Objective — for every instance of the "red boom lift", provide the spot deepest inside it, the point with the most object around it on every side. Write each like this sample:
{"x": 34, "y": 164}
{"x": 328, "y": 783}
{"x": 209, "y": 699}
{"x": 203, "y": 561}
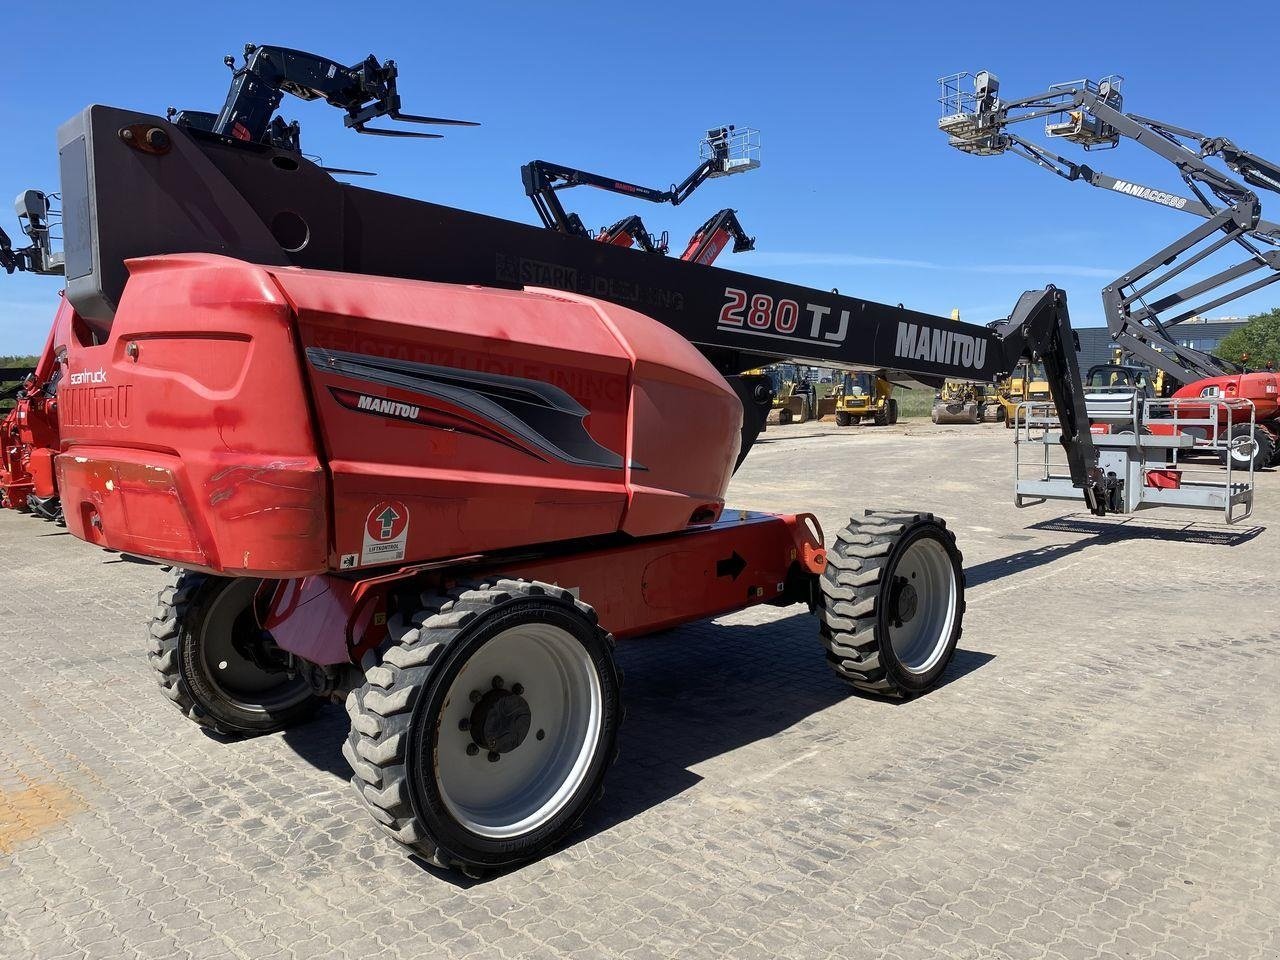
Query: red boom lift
{"x": 29, "y": 431}
{"x": 432, "y": 462}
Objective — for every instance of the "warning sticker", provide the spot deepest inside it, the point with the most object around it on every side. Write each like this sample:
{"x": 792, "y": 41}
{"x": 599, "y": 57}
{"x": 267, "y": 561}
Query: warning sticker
{"x": 386, "y": 530}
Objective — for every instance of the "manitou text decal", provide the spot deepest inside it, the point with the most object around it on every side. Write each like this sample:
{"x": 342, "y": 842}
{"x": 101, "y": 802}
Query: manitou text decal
{"x": 391, "y": 408}
{"x": 89, "y": 376}
{"x": 760, "y": 315}
{"x": 1146, "y": 193}
{"x": 936, "y": 345}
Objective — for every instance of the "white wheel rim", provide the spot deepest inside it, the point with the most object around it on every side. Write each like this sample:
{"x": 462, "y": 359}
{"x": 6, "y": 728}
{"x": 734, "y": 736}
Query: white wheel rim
{"x": 531, "y": 783}
{"x": 920, "y": 640}
{"x": 1243, "y": 448}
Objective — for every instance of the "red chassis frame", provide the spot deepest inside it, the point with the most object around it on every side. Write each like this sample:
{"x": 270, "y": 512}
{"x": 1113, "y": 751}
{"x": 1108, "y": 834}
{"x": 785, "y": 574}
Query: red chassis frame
{"x": 636, "y": 586}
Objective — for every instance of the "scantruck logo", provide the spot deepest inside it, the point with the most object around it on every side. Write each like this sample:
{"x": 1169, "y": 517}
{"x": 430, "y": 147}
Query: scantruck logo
{"x": 916, "y": 342}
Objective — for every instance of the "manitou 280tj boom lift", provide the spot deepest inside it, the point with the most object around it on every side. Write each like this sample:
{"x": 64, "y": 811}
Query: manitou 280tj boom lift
{"x": 1144, "y": 306}
{"x": 432, "y": 462}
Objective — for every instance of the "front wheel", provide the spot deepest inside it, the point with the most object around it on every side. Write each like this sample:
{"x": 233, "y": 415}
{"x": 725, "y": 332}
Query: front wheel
{"x": 842, "y": 418}
{"x": 485, "y": 734}
{"x": 216, "y": 662}
{"x": 892, "y": 605}
{"x": 785, "y": 416}
{"x": 1250, "y": 445}
{"x": 893, "y": 411}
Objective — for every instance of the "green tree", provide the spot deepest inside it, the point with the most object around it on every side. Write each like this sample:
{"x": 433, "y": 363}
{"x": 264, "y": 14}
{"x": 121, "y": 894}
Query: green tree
{"x": 1256, "y": 342}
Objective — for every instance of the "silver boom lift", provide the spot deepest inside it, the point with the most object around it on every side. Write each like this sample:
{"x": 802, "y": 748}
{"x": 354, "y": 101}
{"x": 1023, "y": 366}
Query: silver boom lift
{"x": 1143, "y": 306}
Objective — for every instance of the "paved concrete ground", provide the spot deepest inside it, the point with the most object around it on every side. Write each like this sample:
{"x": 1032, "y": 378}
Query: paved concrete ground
{"x": 1099, "y": 776}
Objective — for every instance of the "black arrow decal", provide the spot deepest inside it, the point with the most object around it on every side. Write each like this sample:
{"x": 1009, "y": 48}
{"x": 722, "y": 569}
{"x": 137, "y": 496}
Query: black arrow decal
{"x": 730, "y": 566}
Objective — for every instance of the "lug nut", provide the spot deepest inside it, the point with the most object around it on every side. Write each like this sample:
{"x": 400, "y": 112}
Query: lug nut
{"x": 472, "y": 749}
{"x": 494, "y": 756}
{"x": 464, "y": 724}
{"x": 517, "y": 688}
{"x": 497, "y": 683}
{"x": 541, "y": 734}
{"x": 475, "y": 696}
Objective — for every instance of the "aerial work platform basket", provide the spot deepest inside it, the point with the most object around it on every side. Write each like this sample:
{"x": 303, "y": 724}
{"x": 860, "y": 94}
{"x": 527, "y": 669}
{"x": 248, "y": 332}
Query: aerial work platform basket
{"x": 1154, "y": 447}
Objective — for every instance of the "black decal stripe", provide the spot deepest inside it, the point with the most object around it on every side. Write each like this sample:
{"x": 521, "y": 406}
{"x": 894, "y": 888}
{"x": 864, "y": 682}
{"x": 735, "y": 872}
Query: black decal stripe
{"x": 534, "y": 412}
{"x": 441, "y": 420}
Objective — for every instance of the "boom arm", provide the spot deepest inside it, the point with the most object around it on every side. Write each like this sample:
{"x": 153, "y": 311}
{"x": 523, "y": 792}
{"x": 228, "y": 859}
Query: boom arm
{"x": 705, "y": 245}
{"x": 1091, "y": 115}
{"x": 265, "y": 204}
{"x": 543, "y": 180}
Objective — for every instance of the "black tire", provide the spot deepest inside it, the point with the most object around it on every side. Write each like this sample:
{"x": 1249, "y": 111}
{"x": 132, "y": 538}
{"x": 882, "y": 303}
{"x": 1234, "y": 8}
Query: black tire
{"x": 882, "y": 416}
{"x": 399, "y": 722}
{"x": 893, "y": 411}
{"x": 842, "y": 418}
{"x": 197, "y": 619}
{"x": 1262, "y": 452}
{"x": 861, "y": 592}
{"x": 785, "y": 416}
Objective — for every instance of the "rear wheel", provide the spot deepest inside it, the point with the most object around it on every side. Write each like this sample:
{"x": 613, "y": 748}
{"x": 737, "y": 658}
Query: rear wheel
{"x": 893, "y": 411}
{"x": 842, "y": 418}
{"x": 485, "y": 734}
{"x": 1249, "y": 444}
{"x": 892, "y": 602}
{"x": 785, "y": 416}
{"x": 217, "y": 664}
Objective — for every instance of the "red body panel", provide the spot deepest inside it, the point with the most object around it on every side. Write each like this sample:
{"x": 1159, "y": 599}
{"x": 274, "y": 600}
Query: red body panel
{"x": 256, "y": 420}
{"x": 1260, "y": 388}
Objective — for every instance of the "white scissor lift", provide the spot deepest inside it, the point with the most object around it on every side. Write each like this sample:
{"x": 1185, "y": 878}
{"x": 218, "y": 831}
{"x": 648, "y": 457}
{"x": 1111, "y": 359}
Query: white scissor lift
{"x": 1153, "y": 446}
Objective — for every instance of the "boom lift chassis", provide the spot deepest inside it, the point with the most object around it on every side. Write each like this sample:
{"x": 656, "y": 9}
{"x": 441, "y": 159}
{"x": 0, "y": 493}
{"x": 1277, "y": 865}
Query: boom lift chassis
{"x": 481, "y": 687}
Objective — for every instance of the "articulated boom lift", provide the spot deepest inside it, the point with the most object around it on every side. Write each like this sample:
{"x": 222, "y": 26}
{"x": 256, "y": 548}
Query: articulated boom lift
{"x": 1141, "y": 318}
{"x": 428, "y": 461}
{"x": 724, "y": 151}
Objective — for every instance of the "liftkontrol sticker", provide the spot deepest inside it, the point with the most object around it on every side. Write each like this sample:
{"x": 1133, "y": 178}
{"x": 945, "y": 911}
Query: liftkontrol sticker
{"x": 386, "y": 530}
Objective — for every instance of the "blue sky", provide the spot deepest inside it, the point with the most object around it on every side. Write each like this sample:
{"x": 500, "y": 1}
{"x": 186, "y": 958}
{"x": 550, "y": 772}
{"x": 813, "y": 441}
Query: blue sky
{"x": 858, "y": 189}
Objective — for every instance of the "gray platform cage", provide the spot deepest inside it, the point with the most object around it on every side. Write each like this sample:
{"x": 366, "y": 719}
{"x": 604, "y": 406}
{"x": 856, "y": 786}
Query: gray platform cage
{"x": 967, "y": 101}
{"x": 1079, "y": 126}
{"x": 1183, "y": 453}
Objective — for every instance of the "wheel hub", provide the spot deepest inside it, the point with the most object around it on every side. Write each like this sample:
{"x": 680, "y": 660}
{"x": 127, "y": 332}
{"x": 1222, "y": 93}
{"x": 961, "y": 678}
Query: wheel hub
{"x": 904, "y": 602}
{"x": 500, "y": 721}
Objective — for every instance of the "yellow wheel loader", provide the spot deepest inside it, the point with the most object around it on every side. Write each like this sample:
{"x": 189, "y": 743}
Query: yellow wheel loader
{"x": 864, "y": 395}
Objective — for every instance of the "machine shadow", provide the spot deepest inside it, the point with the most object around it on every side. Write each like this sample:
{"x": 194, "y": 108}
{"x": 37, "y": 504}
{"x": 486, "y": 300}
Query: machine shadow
{"x": 690, "y": 695}
{"x": 1102, "y": 532}
{"x": 702, "y": 691}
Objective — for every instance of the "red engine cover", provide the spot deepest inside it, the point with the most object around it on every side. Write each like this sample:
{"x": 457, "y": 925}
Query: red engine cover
{"x": 280, "y": 422}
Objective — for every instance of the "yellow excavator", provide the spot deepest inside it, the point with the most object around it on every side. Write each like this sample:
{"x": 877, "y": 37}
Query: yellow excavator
{"x": 965, "y": 401}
